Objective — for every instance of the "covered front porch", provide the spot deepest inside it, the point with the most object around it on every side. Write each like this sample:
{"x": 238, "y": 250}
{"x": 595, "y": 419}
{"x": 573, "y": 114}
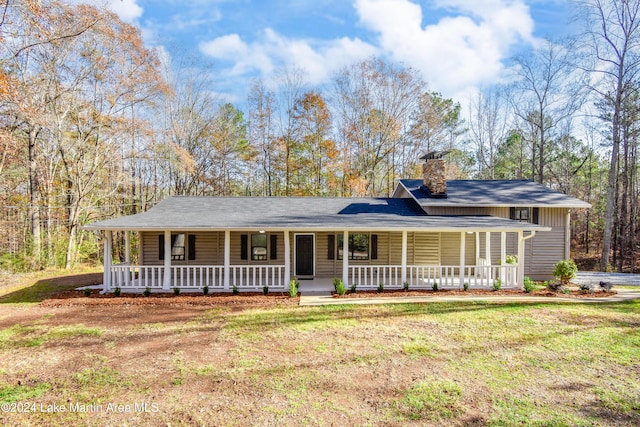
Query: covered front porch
{"x": 479, "y": 264}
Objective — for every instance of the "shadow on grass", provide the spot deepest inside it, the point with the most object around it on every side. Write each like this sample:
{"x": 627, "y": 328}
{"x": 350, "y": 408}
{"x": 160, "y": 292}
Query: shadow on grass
{"x": 47, "y": 288}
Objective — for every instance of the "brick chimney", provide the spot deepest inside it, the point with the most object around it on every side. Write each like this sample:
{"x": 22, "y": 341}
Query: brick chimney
{"x": 433, "y": 171}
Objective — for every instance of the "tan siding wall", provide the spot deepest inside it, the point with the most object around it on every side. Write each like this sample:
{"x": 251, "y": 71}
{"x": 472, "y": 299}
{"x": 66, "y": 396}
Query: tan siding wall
{"x": 547, "y": 247}
{"x": 209, "y": 249}
{"x": 426, "y": 248}
{"x": 236, "y": 256}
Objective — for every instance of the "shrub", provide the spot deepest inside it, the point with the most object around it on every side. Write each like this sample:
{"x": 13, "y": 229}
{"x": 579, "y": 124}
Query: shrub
{"x": 405, "y": 286}
{"x": 511, "y": 259}
{"x": 265, "y": 290}
{"x": 335, "y": 283}
{"x": 381, "y": 288}
{"x": 341, "y": 289}
{"x": 497, "y": 284}
{"x": 465, "y": 286}
{"x": 434, "y": 286}
{"x": 606, "y": 286}
{"x": 205, "y": 290}
{"x": 235, "y": 290}
{"x": 586, "y": 288}
{"x": 353, "y": 288}
{"x": 293, "y": 287}
{"x": 565, "y": 270}
{"x": 116, "y": 291}
{"x": 176, "y": 291}
{"x": 147, "y": 291}
{"x": 528, "y": 284}
{"x": 566, "y": 290}
{"x": 87, "y": 292}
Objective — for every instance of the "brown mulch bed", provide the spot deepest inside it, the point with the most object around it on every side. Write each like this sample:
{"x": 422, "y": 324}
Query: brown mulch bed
{"x": 246, "y": 299}
{"x": 476, "y": 292}
{"x": 257, "y": 299}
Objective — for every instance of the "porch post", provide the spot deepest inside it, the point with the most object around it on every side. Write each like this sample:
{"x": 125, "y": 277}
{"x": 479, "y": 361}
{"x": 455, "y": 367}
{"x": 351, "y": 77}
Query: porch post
{"x": 345, "y": 258}
{"x": 106, "y": 275}
{"x": 404, "y": 257}
{"x": 520, "y": 274}
{"x": 287, "y": 260}
{"x": 166, "y": 280}
{"x": 567, "y": 235}
{"x": 463, "y": 253}
{"x": 477, "y": 247}
{"x": 127, "y": 248}
{"x": 227, "y": 259}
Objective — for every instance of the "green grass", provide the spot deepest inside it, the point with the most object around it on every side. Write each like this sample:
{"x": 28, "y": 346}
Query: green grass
{"x": 432, "y": 399}
{"x": 465, "y": 363}
{"x": 38, "y": 286}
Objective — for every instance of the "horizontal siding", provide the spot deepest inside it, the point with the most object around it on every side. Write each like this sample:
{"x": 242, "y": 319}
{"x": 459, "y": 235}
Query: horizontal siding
{"x": 426, "y": 248}
{"x": 208, "y": 249}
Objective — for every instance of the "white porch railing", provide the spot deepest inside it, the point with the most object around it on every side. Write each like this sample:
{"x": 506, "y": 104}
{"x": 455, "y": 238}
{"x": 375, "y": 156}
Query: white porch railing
{"x": 424, "y": 276}
{"x": 152, "y": 276}
{"x": 256, "y": 276}
{"x": 371, "y": 276}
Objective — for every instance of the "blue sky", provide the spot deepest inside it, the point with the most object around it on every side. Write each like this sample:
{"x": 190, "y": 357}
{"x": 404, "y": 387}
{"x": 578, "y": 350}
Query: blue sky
{"x": 456, "y": 45}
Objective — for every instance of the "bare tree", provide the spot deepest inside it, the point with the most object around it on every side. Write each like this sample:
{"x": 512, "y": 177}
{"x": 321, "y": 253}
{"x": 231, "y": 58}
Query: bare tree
{"x": 488, "y": 120}
{"x": 613, "y": 33}
{"x": 547, "y": 93}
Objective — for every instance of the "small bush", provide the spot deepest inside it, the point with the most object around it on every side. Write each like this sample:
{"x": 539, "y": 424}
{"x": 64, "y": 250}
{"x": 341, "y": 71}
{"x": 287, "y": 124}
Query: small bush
{"x": 354, "y": 287}
{"x": 586, "y": 288}
{"x": 465, "y": 286}
{"x": 566, "y": 290}
{"x": 146, "y": 292}
{"x": 565, "y": 270}
{"x": 265, "y": 290}
{"x": 117, "y": 291}
{"x": 205, "y": 290}
{"x": 341, "y": 289}
{"x": 381, "y": 288}
{"x": 511, "y": 259}
{"x": 293, "y": 287}
{"x": 528, "y": 285}
{"x": 434, "y": 286}
{"x": 606, "y": 286}
{"x": 87, "y": 292}
{"x": 176, "y": 291}
{"x": 497, "y": 284}
{"x": 335, "y": 283}
{"x": 405, "y": 286}
{"x": 235, "y": 290}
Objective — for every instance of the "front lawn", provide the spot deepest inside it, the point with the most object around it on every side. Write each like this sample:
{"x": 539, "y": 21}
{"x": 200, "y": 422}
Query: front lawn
{"x": 470, "y": 363}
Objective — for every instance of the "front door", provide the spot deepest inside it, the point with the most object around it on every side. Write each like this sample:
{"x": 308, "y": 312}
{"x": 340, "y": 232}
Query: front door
{"x": 304, "y": 255}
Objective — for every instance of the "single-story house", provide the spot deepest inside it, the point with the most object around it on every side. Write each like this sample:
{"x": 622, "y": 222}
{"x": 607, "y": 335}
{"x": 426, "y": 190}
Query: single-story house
{"x": 430, "y": 230}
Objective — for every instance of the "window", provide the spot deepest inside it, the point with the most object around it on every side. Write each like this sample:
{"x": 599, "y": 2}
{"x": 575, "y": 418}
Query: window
{"x": 259, "y": 247}
{"x": 358, "y": 246}
{"x": 525, "y": 214}
{"x": 177, "y": 247}
{"x": 183, "y": 246}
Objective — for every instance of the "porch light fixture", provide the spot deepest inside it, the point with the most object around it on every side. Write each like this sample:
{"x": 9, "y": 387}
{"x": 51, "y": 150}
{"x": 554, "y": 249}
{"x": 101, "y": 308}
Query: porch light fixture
{"x": 261, "y": 231}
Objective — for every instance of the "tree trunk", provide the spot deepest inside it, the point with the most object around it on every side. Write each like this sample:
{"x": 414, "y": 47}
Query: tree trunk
{"x": 34, "y": 194}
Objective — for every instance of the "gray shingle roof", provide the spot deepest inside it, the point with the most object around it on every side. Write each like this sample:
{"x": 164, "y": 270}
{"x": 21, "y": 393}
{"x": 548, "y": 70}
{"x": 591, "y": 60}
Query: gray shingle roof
{"x": 477, "y": 193}
{"x": 299, "y": 213}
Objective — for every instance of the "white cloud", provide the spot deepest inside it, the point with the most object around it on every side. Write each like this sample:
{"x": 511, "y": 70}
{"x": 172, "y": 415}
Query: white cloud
{"x": 460, "y": 51}
{"x": 128, "y": 10}
{"x": 273, "y": 50}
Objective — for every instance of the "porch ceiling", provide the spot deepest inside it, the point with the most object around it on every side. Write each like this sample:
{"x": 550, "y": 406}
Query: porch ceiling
{"x": 301, "y": 213}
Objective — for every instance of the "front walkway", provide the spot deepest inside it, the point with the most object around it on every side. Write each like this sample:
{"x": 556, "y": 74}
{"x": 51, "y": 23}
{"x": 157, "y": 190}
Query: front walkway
{"x": 313, "y": 300}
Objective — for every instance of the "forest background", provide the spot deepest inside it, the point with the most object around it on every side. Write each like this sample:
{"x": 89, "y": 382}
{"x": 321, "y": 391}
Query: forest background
{"x": 93, "y": 125}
